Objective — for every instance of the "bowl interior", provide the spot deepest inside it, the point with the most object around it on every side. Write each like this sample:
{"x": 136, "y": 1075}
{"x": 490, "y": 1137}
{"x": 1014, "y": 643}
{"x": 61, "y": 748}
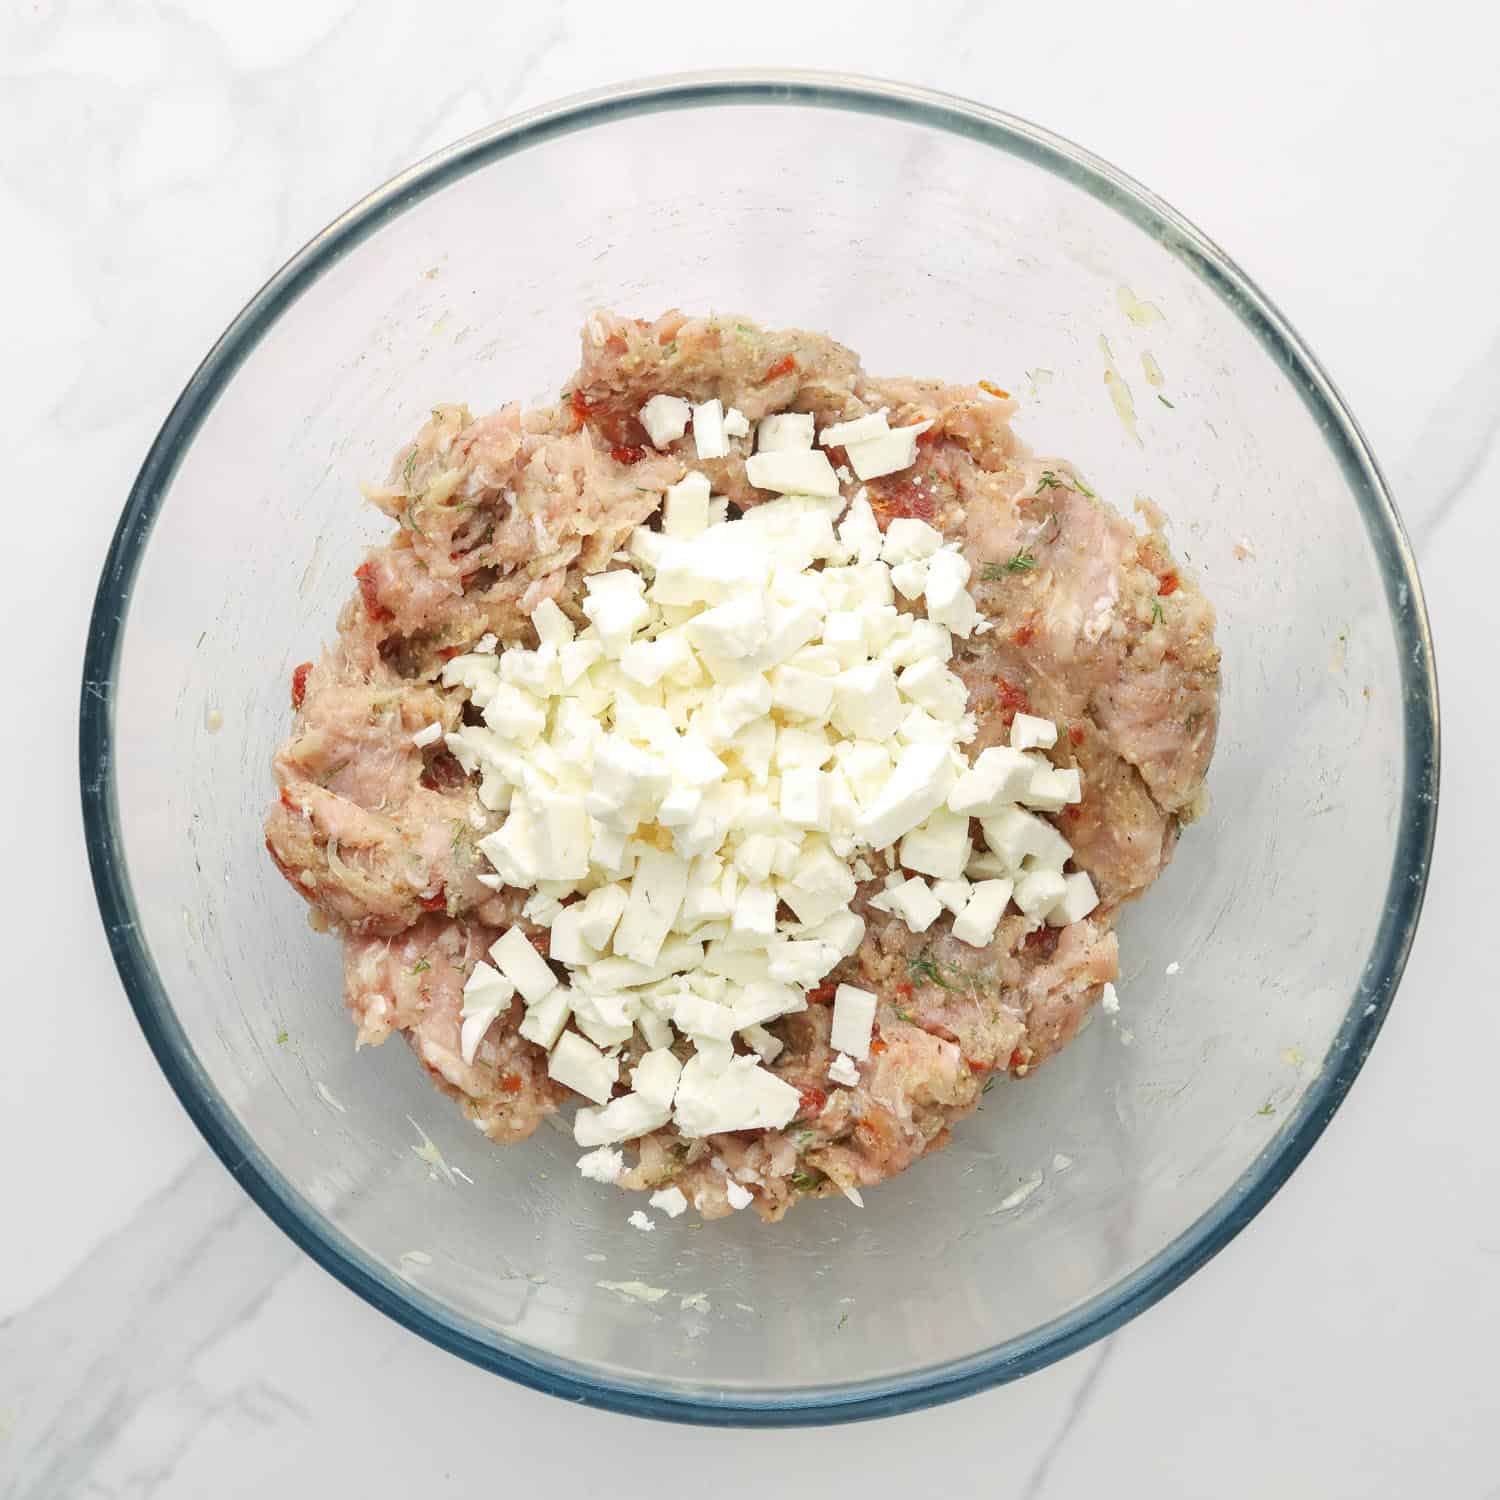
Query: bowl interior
{"x": 934, "y": 244}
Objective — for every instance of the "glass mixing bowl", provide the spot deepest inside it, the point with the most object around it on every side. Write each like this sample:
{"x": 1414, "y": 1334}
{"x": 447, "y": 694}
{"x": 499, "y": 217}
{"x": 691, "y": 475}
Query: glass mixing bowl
{"x": 937, "y": 238}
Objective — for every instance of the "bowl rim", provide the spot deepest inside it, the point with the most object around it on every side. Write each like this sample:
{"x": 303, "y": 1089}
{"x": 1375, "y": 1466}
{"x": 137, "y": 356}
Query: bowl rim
{"x": 845, "y": 1401}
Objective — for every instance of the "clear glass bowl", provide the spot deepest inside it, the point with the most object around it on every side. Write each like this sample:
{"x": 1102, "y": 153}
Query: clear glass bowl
{"x": 937, "y": 238}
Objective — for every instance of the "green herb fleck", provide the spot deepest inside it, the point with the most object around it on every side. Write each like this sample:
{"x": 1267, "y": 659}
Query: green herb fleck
{"x": 1268, "y": 1108}
{"x": 743, "y": 328}
{"x": 905, "y": 1015}
{"x": 670, "y": 349}
{"x": 805, "y": 1182}
{"x": 331, "y": 772}
{"x": 1165, "y": 402}
{"x": 1048, "y": 481}
{"x": 1156, "y": 612}
{"x": 281, "y": 1038}
{"x": 989, "y": 1083}
{"x": 843, "y": 1319}
{"x": 411, "y": 463}
{"x": 927, "y": 968}
{"x": 1083, "y": 489}
{"x": 1023, "y": 562}
{"x": 420, "y": 967}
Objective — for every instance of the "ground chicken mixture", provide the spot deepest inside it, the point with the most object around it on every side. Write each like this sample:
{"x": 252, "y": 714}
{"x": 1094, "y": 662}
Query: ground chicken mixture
{"x": 1083, "y": 621}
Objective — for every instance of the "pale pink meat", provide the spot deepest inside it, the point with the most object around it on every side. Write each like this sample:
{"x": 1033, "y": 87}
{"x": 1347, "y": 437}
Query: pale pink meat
{"x": 1091, "y": 623}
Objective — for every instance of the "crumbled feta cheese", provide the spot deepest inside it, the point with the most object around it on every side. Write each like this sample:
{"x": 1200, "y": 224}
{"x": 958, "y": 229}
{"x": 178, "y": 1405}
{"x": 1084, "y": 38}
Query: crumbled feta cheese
{"x": 889, "y": 454}
{"x": 741, "y": 1095}
{"x": 428, "y": 734}
{"x": 736, "y": 423}
{"x": 910, "y": 540}
{"x": 578, "y": 1064}
{"x": 792, "y": 472}
{"x": 918, "y": 786}
{"x": 853, "y": 1018}
{"x": 911, "y": 900}
{"x": 1077, "y": 901}
{"x": 523, "y": 966}
{"x": 1051, "y": 790}
{"x": 1173, "y": 967}
{"x": 543, "y": 1022}
{"x": 738, "y": 1196}
{"x": 785, "y": 432}
{"x": 670, "y": 1200}
{"x": 856, "y": 430}
{"x": 981, "y": 914}
{"x": 995, "y": 781}
{"x": 602, "y": 1165}
{"x": 1037, "y": 893}
{"x": 767, "y": 1047}
{"x": 1027, "y": 732}
{"x": 1016, "y": 836}
{"x": 665, "y": 419}
{"x": 1110, "y": 1000}
{"x": 624, "y": 1119}
{"x": 939, "y": 847}
{"x": 842, "y": 1070}
{"x": 708, "y": 429}
{"x": 639, "y": 1220}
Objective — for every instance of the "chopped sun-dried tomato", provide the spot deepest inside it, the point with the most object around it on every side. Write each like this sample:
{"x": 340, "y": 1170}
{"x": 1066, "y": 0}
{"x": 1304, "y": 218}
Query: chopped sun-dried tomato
{"x": 365, "y": 573}
{"x": 1017, "y": 1057}
{"x": 299, "y": 683}
{"x": 904, "y": 990}
{"x": 511, "y": 1083}
{"x": 1073, "y": 813}
{"x": 1167, "y": 584}
{"x": 822, "y": 994}
{"x": 435, "y": 902}
{"x": 1043, "y": 941}
{"x": 812, "y": 1102}
{"x": 288, "y": 803}
{"x": 447, "y": 653}
{"x": 627, "y": 453}
{"x": 579, "y": 404}
{"x": 1075, "y": 735}
{"x": 1012, "y": 700}
{"x": 878, "y": 1045}
{"x": 783, "y": 366}
{"x": 442, "y": 773}
{"x": 899, "y": 497}
{"x": 1024, "y": 636}
{"x": 994, "y": 390}
{"x": 975, "y": 1066}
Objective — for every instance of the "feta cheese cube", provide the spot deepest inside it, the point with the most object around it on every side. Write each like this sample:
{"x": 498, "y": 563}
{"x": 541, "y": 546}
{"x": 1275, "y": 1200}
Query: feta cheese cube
{"x": 856, "y": 430}
{"x": 977, "y": 922}
{"x": 785, "y": 432}
{"x": 807, "y": 798}
{"x": 961, "y": 615}
{"x": 866, "y": 704}
{"x": 1028, "y": 732}
{"x": 947, "y": 579}
{"x": 938, "y": 690}
{"x": 562, "y": 826}
{"x": 741, "y": 1096}
{"x": 515, "y": 714}
{"x": 708, "y": 429}
{"x": 624, "y": 1119}
{"x": 578, "y": 1064}
{"x": 996, "y": 779}
{"x": 736, "y": 423}
{"x": 890, "y": 454}
{"x": 820, "y": 884}
{"x": 853, "y": 1019}
{"x": 802, "y": 746}
{"x": 910, "y": 578}
{"x": 543, "y": 1022}
{"x": 665, "y": 419}
{"x": 739, "y": 1197}
{"x": 754, "y": 915}
{"x": 843, "y": 1070}
{"x": 567, "y": 944}
{"x": 843, "y": 931}
{"x": 685, "y": 509}
{"x": 1039, "y": 891}
{"x": 954, "y": 894}
{"x": 656, "y": 892}
{"x": 918, "y": 786}
{"x": 699, "y": 1018}
{"x": 938, "y": 847}
{"x": 574, "y": 658}
{"x": 767, "y": 1047}
{"x": 731, "y": 631}
{"x": 598, "y": 914}
{"x": 913, "y": 902}
{"x": 654, "y": 1028}
{"x": 616, "y": 605}
{"x": 1018, "y": 836}
{"x": 655, "y": 1076}
{"x": 860, "y": 532}
{"x": 908, "y": 539}
{"x": 1077, "y": 901}
{"x": 1052, "y": 790}
{"x": 804, "y": 695}
{"x": 801, "y": 963}
{"x": 791, "y": 472}
{"x": 428, "y": 734}
{"x": 844, "y": 634}
{"x": 523, "y": 966}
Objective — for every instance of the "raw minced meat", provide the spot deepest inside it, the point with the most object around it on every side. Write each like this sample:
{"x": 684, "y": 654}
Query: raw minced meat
{"x": 1090, "y": 624}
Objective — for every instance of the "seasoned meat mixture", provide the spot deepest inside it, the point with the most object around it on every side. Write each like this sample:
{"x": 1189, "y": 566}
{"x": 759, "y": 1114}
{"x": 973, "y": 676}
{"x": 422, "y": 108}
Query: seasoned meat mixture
{"x": 1089, "y": 624}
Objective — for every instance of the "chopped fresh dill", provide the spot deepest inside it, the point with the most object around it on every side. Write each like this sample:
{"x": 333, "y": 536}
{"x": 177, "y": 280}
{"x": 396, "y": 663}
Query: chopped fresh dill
{"x": 1165, "y": 402}
{"x": 1156, "y": 612}
{"x": 925, "y": 967}
{"x": 420, "y": 967}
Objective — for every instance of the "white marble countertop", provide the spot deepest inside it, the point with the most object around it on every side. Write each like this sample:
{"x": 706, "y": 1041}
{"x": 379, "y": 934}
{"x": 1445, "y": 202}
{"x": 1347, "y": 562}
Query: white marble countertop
{"x": 158, "y": 1337}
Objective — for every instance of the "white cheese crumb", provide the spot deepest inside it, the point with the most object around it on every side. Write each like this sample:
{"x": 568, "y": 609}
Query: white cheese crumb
{"x": 1027, "y": 732}
{"x": 578, "y": 1064}
{"x": 738, "y": 1197}
{"x": 736, "y": 423}
{"x": 708, "y": 429}
{"x": 890, "y": 454}
{"x": 842, "y": 1070}
{"x": 853, "y": 1019}
{"x": 1061, "y": 1163}
{"x": 1110, "y": 1000}
{"x": 428, "y": 734}
{"x": 670, "y": 1200}
{"x": 523, "y": 965}
{"x": 857, "y": 430}
{"x": 792, "y": 472}
{"x": 785, "y": 432}
{"x": 638, "y": 1220}
{"x": 603, "y": 1165}
{"x": 1173, "y": 967}
{"x": 977, "y": 922}
{"x": 665, "y": 419}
